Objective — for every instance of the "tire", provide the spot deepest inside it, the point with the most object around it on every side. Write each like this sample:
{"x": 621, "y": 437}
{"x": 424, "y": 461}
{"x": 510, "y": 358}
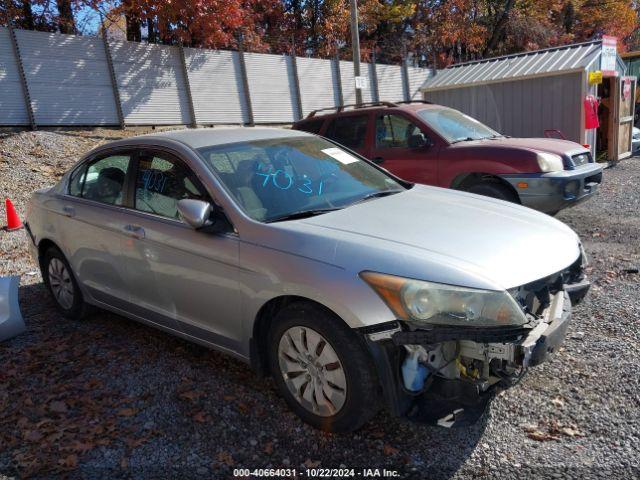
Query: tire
{"x": 494, "y": 190}
{"x": 338, "y": 410}
{"x": 62, "y": 285}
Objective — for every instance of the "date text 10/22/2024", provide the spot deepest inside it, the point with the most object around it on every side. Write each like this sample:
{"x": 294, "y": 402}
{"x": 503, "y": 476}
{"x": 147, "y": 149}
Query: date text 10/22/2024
{"x": 315, "y": 473}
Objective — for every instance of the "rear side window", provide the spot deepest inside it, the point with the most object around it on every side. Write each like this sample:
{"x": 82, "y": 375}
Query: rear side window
{"x": 102, "y": 181}
{"x": 311, "y": 126}
{"x": 349, "y": 131}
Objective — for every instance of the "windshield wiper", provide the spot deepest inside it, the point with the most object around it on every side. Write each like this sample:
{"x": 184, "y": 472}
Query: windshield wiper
{"x": 302, "y": 214}
{"x": 382, "y": 193}
{"x": 465, "y": 139}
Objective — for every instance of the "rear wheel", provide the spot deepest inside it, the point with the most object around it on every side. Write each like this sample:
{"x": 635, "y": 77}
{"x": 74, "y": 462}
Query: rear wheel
{"x": 59, "y": 280}
{"x": 494, "y": 190}
{"x": 322, "y": 368}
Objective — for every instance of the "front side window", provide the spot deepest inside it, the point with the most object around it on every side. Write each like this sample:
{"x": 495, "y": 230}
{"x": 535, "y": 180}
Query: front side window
{"x": 349, "y": 131}
{"x": 394, "y": 131}
{"x": 162, "y": 181}
{"x": 455, "y": 126}
{"x": 275, "y": 178}
{"x": 102, "y": 181}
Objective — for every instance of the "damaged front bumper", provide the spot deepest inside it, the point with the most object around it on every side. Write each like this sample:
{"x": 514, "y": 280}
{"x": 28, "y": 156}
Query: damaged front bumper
{"x": 466, "y": 365}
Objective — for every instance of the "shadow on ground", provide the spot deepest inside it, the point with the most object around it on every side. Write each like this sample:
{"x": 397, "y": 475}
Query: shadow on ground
{"x": 110, "y": 397}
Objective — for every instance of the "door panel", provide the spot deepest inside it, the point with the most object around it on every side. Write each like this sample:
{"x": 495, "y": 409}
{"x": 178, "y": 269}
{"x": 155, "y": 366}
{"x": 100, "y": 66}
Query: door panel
{"x": 176, "y": 272}
{"x": 94, "y": 216}
{"x": 391, "y": 148}
{"x": 626, "y": 95}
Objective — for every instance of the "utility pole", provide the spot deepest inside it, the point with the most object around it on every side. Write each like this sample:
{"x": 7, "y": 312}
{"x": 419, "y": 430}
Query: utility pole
{"x": 355, "y": 42}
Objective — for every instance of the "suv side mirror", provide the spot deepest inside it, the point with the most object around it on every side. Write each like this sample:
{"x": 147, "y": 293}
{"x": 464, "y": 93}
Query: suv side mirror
{"x": 195, "y": 213}
{"x": 418, "y": 140}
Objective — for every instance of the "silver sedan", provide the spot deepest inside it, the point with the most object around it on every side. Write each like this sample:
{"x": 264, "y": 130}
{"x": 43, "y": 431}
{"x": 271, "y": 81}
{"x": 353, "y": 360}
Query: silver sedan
{"x": 353, "y": 288}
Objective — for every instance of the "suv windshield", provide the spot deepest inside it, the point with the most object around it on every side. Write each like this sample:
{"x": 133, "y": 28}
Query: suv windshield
{"x": 455, "y": 126}
{"x": 286, "y": 178}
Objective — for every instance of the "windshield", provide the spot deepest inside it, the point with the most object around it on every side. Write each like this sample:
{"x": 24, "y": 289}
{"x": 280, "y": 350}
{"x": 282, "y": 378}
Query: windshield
{"x": 455, "y": 126}
{"x": 277, "y": 178}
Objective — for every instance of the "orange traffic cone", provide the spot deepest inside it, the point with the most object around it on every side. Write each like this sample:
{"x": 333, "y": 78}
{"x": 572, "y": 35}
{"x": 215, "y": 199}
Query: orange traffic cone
{"x": 13, "y": 221}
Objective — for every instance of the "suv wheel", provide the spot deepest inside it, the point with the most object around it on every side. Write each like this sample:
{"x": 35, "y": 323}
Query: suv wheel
{"x": 61, "y": 283}
{"x": 494, "y": 190}
{"x": 322, "y": 369}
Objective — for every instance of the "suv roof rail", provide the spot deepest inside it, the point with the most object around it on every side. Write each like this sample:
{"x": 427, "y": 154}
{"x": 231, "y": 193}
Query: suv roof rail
{"x": 415, "y": 101}
{"x": 340, "y": 108}
{"x": 365, "y": 104}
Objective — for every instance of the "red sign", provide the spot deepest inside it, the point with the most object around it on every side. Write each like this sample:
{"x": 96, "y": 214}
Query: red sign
{"x": 626, "y": 88}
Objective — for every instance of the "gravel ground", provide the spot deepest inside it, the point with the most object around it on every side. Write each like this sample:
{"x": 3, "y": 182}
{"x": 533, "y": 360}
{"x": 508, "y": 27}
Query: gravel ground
{"x": 108, "y": 397}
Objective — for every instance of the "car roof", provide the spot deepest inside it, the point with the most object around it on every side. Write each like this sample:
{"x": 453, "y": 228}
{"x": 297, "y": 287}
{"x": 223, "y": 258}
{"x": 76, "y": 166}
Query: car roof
{"x": 206, "y": 137}
{"x": 376, "y": 106}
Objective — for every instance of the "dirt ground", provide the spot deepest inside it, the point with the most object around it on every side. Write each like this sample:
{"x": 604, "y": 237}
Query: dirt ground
{"x": 110, "y": 398}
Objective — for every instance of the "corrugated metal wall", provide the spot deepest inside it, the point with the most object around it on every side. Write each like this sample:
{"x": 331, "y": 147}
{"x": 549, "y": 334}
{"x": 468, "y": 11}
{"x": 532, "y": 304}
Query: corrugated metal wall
{"x": 417, "y": 76}
{"x": 70, "y": 83}
{"x": 390, "y": 83}
{"x": 349, "y": 84}
{"x": 66, "y": 74}
{"x": 521, "y": 108}
{"x": 13, "y": 110}
{"x": 151, "y": 83}
{"x": 216, "y": 86}
{"x": 318, "y": 85}
{"x": 271, "y": 84}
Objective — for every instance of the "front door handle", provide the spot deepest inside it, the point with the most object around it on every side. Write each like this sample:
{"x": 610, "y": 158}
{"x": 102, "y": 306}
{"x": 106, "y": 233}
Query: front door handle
{"x": 134, "y": 231}
{"x": 68, "y": 211}
{"x": 378, "y": 160}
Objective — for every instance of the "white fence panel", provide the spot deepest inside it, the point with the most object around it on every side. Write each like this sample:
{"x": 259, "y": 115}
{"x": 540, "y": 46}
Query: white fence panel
{"x": 13, "y": 109}
{"x": 68, "y": 79}
{"x": 417, "y": 76}
{"x": 151, "y": 83}
{"x": 271, "y": 86}
{"x": 349, "y": 83}
{"x": 216, "y": 86}
{"x": 390, "y": 83}
{"x": 318, "y": 86}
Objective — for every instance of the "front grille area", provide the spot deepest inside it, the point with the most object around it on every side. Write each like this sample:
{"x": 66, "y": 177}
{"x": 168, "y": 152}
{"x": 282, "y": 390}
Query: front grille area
{"x": 581, "y": 159}
{"x": 536, "y": 296}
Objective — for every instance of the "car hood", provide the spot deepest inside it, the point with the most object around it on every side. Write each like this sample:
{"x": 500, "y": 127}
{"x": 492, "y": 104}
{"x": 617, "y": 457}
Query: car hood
{"x": 549, "y": 145}
{"x": 441, "y": 235}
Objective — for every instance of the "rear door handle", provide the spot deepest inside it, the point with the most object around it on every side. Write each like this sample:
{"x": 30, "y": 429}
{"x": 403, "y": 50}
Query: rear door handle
{"x": 134, "y": 231}
{"x": 68, "y": 211}
{"x": 378, "y": 160}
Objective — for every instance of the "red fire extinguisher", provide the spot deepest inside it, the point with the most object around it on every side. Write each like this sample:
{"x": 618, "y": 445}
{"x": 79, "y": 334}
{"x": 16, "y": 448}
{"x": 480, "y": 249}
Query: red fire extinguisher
{"x": 591, "y": 112}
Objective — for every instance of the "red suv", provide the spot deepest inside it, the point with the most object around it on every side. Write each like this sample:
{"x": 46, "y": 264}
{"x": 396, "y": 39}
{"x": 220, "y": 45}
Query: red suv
{"x": 436, "y": 145}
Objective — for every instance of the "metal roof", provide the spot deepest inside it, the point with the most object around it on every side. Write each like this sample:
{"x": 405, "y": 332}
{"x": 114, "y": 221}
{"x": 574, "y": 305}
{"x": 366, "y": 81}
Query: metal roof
{"x": 518, "y": 66}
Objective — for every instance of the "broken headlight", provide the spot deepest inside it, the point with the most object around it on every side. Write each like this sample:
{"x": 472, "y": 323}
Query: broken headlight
{"x": 440, "y": 304}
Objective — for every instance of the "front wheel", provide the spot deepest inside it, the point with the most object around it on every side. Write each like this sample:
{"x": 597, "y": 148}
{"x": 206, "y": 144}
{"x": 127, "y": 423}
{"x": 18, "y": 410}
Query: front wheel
{"x": 322, "y": 369}
{"x": 494, "y": 190}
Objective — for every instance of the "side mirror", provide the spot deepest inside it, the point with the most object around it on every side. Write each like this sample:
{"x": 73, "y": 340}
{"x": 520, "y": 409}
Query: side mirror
{"x": 195, "y": 213}
{"x": 418, "y": 140}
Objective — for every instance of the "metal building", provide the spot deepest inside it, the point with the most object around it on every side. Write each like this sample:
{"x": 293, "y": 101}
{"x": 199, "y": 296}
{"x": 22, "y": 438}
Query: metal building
{"x": 538, "y": 93}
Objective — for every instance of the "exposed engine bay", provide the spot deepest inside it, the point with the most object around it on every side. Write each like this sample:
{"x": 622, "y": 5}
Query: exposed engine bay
{"x": 447, "y": 375}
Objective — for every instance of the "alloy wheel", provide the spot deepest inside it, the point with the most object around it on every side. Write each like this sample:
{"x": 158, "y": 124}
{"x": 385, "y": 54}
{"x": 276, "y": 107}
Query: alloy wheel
{"x": 312, "y": 371}
{"x": 60, "y": 283}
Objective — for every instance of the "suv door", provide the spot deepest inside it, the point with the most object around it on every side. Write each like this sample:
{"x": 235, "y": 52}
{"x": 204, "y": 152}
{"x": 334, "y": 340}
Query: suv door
{"x": 350, "y": 131}
{"x": 176, "y": 273}
{"x": 395, "y": 146}
{"x": 93, "y": 236}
